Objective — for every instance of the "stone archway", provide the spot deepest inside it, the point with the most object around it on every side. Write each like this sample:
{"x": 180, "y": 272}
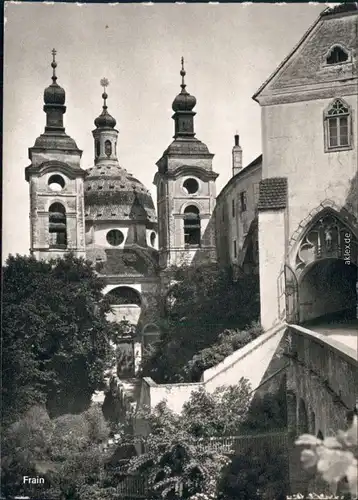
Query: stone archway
{"x": 324, "y": 264}
{"x": 126, "y": 304}
{"x": 150, "y": 335}
{"x": 328, "y": 290}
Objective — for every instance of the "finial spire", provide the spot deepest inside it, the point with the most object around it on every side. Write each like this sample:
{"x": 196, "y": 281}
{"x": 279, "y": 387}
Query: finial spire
{"x": 104, "y": 83}
{"x": 182, "y": 73}
{"x": 54, "y": 65}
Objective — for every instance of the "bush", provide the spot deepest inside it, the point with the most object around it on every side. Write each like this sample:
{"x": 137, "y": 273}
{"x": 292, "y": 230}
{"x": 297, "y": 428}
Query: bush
{"x": 203, "y": 302}
{"x": 228, "y": 342}
{"x": 65, "y": 451}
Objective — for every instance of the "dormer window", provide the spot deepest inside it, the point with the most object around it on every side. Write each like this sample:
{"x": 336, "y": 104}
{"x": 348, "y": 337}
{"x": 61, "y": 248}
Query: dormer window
{"x": 337, "y": 126}
{"x": 337, "y": 55}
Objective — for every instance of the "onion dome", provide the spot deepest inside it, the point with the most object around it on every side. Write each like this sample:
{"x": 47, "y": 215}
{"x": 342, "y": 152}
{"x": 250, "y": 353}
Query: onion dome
{"x": 183, "y": 101}
{"x": 54, "y": 94}
{"x": 105, "y": 120}
{"x": 112, "y": 193}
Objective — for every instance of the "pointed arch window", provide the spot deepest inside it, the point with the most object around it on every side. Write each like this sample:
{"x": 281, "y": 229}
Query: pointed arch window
{"x": 57, "y": 226}
{"x": 338, "y": 126}
{"x": 192, "y": 227}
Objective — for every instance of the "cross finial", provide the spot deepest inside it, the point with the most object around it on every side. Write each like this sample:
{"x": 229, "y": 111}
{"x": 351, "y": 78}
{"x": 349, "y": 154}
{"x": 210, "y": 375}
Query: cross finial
{"x": 54, "y": 65}
{"x": 104, "y": 83}
{"x": 182, "y": 73}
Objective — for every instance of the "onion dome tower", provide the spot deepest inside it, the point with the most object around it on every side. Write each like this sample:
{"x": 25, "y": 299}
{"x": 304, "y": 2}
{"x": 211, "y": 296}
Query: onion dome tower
{"x": 119, "y": 210}
{"x": 56, "y": 182}
{"x": 185, "y": 184}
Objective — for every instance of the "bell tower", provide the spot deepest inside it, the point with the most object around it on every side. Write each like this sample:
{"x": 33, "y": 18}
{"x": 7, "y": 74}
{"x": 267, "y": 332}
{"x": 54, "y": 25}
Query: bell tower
{"x": 186, "y": 194}
{"x": 56, "y": 183}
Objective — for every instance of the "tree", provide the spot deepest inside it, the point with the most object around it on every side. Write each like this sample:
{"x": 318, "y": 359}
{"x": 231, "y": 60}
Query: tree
{"x": 66, "y": 451}
{"x": 258, "y": 473}
{"x": 228, "y": 342}
{"x": 202, "y": 302}
{"x": 56, "y": 338}
{"x": 179, "y": 459}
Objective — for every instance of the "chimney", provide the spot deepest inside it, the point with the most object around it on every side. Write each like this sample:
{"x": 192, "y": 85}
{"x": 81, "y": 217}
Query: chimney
{"x": 236, "y": 157}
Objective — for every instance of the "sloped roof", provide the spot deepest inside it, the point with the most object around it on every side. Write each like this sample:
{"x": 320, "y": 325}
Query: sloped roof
{"x": 330, "y": 11}
{"x": 273, "y": 193}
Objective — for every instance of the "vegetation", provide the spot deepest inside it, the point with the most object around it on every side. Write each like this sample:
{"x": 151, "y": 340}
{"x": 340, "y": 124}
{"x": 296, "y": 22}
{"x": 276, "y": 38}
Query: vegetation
{"x": 203, "y": 302}
{"x": 258, "y": 470}
{"x": 175, "y": 462}
{"x": 66, "y": 451}
{"x": 228, "y": 342}
{"x": 56, "y": 338}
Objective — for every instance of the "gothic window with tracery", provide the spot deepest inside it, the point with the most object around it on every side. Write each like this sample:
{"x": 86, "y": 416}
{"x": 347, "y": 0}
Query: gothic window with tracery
{"x": 328, "y": 238}
{"x": 338, "y": 126}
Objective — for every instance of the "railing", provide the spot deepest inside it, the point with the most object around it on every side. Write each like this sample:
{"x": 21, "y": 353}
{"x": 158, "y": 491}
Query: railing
{"x": 136, "y": 487}
{"x": 133, "y": 487}
{"x": 235, "y": 444}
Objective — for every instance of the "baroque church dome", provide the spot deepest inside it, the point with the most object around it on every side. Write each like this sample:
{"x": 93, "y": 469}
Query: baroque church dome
{"x": 111, "y": 193}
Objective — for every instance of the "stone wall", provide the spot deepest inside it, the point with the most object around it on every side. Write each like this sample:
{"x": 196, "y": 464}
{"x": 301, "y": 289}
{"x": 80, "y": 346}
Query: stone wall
{"x": 321, "y": 387}
{"x": 231, "y": 223}
{"x": 258, "y": 353}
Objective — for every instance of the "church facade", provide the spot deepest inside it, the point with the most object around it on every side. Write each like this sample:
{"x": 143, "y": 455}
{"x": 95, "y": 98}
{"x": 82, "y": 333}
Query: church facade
{"x": 291, "y": 215}
{"x": 107, "y": 216}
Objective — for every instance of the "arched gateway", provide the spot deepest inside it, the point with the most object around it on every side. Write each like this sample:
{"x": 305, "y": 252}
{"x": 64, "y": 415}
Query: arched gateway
{"x": 321, "y": 279}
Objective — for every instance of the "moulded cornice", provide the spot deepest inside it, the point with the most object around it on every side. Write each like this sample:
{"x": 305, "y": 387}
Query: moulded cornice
{"x": 202, "y": 173}
{"x": 54, "y": 166}
{"x": 300, "y": 94}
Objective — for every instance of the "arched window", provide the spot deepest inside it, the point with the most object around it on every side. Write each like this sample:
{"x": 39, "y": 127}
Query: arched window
{"x": 150, "y": 335}
{"x": 192, "y": 226}
{"x": 108, "y": 148}
{"x": 98, "y": 148}
{"x": 57, "y": 226}
{"x": 337, "y": 126}
{"x": 337, "y": 55}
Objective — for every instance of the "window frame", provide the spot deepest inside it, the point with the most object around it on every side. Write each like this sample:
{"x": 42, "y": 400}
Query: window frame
{"x": 196, "y": 228}
{"x": 327, "y": 118}
{"x": 54, "y": 242}
{"x": 243, "y": 201}
{"x": 339, "y": 63}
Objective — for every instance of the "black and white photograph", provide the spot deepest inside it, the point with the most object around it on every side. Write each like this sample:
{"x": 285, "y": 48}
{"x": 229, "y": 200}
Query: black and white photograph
{"x": 180, "y": 251}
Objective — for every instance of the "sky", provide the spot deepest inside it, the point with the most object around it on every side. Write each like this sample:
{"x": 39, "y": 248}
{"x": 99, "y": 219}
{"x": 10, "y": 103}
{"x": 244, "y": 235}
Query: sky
{"x": 229, "y": 51}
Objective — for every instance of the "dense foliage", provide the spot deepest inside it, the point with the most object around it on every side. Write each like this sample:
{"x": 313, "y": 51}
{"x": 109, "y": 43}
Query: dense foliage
{"x": 258, "y": 470}
{"x": 55, "y": 335}
{"x": 66, "y": 451}
{"x": 228, "y": 342}
{"x": 202, "y": 302}
{"x": 178, "y": 457}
